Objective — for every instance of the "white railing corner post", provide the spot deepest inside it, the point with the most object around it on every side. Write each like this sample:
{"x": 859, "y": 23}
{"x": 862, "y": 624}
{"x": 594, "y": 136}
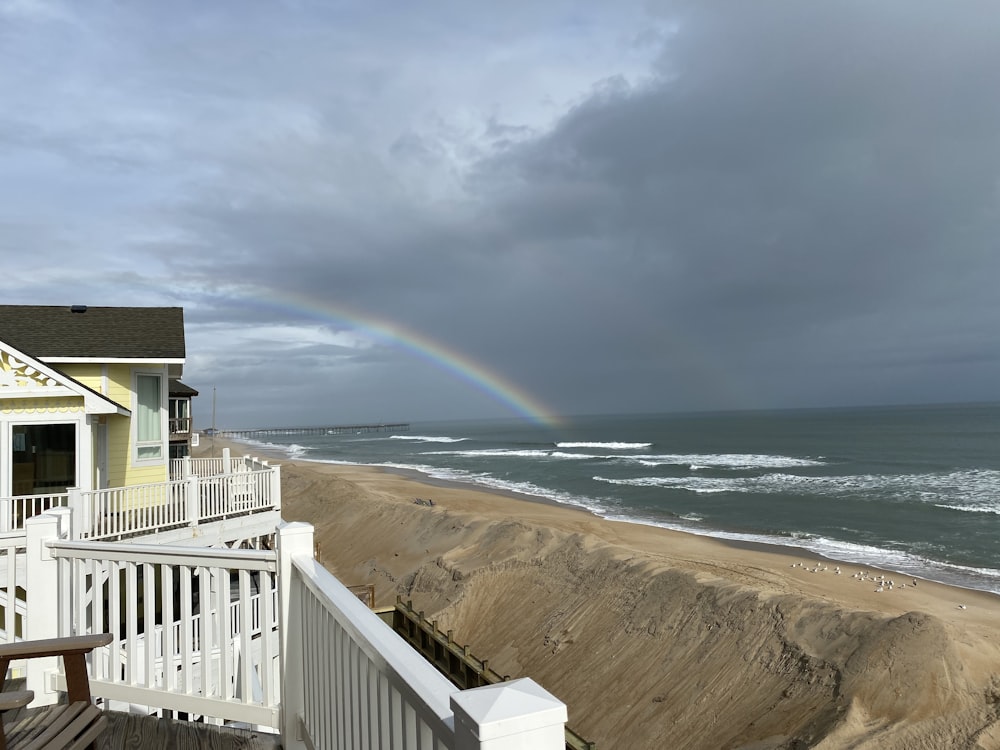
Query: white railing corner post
{"x": 193, "y": 496}
{"x": 186, "y": 471}
{"x": 527, "y": 715}
{"x": 227, "y": 464}
{"x": 292, "y": 540}
{"x": 41, "y": 582}
{"x": 64, "y": 530}
{"x": 77, "y": 506}
{"x": 276, "y": 487}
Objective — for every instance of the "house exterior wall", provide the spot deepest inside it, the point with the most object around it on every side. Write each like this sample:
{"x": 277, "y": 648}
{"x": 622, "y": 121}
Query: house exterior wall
{"x": 115, "y": 381}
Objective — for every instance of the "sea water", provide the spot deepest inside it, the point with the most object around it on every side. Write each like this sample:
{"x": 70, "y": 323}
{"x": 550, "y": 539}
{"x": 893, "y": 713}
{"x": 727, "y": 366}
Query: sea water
{"x": 912, "y": 489}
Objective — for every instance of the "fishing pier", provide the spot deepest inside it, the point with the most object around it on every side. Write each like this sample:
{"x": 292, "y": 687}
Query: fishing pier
{"x": 342, "y": 429}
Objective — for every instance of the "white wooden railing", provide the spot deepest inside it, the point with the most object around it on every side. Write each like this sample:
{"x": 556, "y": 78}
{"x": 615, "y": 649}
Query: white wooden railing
{"x": 14, "y": 510}
{"x": 323, "y": 669}
{"x": 367, "y": 671}
{"x": 146, "y": 509}
{"x": 12, "y": 604}
{"x": 350, "y": 681}
{"x": 181, "y": 468}
{"x": 182, "y": 639}
{"x": 241, "y": 486}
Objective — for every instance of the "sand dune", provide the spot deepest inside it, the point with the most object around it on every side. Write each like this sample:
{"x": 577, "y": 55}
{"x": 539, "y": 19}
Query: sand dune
{"x": 657, "y": 639}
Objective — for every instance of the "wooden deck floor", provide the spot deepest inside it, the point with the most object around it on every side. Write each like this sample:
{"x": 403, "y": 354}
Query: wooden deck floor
{"x": 131, "y": 731}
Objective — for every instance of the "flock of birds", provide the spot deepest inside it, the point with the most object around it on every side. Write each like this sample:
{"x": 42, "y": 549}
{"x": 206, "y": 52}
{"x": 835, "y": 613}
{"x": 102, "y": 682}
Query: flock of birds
{"x": 882, "y": 583}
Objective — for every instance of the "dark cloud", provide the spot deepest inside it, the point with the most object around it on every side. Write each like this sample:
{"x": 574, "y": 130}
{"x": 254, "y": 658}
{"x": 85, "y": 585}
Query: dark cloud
{"x": 694, "y": 206}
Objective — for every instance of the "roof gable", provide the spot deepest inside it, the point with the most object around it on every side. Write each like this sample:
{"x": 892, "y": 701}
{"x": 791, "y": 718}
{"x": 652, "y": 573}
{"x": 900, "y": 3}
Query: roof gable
{"x": 24, "y": 377}
{"x": 111, "y": 333}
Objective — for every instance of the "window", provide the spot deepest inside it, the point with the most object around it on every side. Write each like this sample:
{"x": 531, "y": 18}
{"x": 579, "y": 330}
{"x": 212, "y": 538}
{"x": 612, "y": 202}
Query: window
{"x": 148, "y": 435}
{"x": 43, "y": 457}
{"x": 180, "y": 415}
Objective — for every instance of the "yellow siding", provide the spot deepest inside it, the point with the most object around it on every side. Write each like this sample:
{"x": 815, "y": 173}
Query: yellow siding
{"x": 88, "y": 374}
{"x": 118, "y": 388}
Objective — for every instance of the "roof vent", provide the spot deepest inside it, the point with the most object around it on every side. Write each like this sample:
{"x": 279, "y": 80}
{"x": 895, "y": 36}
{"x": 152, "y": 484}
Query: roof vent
{"x": 78, "y": 308}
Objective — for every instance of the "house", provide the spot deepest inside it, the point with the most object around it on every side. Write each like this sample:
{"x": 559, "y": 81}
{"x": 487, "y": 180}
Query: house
{"x": 84, "y": 395}
{"x": 182, "y": 436}
{"x": 217, "y": 608}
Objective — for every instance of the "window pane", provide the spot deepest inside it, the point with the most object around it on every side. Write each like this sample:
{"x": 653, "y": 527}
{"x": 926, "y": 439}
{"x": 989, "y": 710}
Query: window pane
{"x": 147, "y": 408}
{"x": 150, "y": 451}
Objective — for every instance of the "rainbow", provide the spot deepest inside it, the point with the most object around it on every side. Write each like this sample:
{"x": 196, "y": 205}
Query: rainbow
{"x": 454, "y": 363}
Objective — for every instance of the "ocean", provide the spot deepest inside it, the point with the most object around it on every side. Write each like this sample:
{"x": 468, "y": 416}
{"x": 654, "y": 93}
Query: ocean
{"x": 912, "y": 489}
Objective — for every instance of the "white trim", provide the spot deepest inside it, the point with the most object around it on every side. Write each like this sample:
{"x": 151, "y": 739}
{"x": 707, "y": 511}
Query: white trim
{"x": 115, "y": 360}
{"x": 93, "y": 402}
{"x": 81, "y": 450}
{"x": 164, "y": 456}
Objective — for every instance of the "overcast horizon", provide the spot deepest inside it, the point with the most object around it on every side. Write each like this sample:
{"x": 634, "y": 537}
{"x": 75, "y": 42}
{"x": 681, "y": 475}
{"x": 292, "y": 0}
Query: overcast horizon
{"x": 445, "y": 211}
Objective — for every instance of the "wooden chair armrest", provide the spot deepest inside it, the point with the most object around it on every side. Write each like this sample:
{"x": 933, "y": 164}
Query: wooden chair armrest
{"x": 16, "y": 699}
{"x": 73, "y": 650}
{"x": 74, "y": 644}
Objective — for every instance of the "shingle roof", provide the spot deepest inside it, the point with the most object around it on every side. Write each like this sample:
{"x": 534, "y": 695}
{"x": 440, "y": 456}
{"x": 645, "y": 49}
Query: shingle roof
{"x": 177, "y": 388}
{"x": 104, "y": 332}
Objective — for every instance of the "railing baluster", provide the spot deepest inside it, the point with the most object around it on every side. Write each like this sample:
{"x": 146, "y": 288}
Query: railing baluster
{"x": 149, "y": 622}
{"x": 187, "y": 639}
{"x": 246, "y": 637}
{"x": 114, "y": 621}
{"x": 207, "y": 633}
{"x": 167, "y": 648}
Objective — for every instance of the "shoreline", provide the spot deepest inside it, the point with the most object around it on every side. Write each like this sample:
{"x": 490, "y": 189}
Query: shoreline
{"x": 775, "y": 547}
{"x": 681, "y": 625}
{"x": 790, "y": 551}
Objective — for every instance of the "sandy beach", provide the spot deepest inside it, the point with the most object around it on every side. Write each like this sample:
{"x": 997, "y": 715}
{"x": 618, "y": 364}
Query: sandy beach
{"x": 660, "y": 639}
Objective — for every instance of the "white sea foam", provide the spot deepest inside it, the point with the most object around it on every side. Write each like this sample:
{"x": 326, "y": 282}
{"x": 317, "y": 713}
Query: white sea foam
{"x": 696, "y": 462}
{"x": 427, "y": 438}
{"x": 611, "y": 446}
{"x": 512, "y": 453}
{"x": 292, "y": 451}
{"x": 969, "y": 491}
{"x": 742, "y": 461}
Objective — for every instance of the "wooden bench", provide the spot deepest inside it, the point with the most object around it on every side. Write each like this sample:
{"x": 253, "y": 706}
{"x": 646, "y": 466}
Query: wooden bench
{"x": 74, "y": 724}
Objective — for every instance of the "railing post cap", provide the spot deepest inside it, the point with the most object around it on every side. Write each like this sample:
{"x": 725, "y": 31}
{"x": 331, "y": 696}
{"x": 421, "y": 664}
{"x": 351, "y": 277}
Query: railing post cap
{"x": 295, "y": 527}
{"x": 42, "y": 519}
{"x": 508, "y": 708}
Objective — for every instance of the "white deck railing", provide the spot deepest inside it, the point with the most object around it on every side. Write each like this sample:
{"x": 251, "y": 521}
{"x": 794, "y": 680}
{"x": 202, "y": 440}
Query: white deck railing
{"x": 14, "y": 510}
{"x": 349, "y": 681}
{"x": 247, "y": 486}
{"x": 327, "y": 672}
{"x": 181, "y": 468}
{"x": 182, "y": 639}
{"x": 385, "y": 693}
{"x": 12, "y": 603}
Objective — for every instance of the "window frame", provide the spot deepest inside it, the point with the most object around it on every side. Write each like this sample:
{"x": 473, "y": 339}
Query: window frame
{"x": 162, "y": 440}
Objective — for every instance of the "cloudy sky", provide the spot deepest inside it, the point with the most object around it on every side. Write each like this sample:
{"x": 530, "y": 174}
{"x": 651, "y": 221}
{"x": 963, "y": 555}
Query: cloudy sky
{"x": 410, "y": 211}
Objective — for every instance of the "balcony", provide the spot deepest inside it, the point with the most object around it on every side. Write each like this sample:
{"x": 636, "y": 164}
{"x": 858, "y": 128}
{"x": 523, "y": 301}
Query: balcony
{"x": 265, "y": 638}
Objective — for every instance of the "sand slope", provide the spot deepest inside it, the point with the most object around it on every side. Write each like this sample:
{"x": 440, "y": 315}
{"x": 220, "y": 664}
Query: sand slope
{"x": 662, "y": 640}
